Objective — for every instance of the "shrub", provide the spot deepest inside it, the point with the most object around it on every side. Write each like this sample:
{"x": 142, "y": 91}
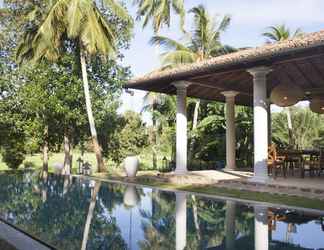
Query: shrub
{"x": 13, "y": 155}
{"x": 29, "y": 164}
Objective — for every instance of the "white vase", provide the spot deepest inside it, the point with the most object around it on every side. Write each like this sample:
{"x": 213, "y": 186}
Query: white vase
{"x": 131, "y": 165}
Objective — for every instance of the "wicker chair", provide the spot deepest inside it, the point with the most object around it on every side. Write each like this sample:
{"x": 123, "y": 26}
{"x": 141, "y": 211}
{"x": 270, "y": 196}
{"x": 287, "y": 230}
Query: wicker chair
{"x": 275, "y": 162}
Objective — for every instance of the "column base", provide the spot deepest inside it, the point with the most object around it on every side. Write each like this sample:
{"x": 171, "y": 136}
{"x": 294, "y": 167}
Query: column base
{"x": 180, "y": 172}
{"x": 230, "y": 168}
{"x": 260, "y": 179}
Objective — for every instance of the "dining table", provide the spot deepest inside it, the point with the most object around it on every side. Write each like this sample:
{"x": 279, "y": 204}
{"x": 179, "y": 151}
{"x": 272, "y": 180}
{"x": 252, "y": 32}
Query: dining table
{"x": 297, "y": 158}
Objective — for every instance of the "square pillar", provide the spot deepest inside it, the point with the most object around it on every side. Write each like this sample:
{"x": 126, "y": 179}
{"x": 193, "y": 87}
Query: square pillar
{"x": 181, "y": 128}
{"x": 260, "y": 114}
{"x": 230, "y": 129}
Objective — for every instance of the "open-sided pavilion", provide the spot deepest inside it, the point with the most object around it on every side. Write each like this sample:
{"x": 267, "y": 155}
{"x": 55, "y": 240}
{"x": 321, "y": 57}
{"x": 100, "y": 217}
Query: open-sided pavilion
{"x": 246, "y": 77}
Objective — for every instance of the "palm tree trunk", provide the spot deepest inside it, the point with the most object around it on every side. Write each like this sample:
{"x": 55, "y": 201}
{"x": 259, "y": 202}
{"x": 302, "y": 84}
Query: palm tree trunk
{"x": 90, "y": 215}
{"x": 96, "y": 146}
{"x": 290, "y": 128}
{"x": 195, "y": 215}
{"x": 194, "y": 126}
{"x": 154, "y": 142}
{"x": 45, "y": 154}
{"x": 67, "y": 155}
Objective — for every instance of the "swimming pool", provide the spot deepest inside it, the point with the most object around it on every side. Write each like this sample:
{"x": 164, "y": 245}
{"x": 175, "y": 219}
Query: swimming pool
{"x": 75, "y": 213}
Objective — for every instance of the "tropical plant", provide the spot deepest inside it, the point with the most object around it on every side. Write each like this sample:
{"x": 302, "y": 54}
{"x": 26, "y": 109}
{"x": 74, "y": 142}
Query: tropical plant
{"x": 76, "y": 25}
{"x": 280, "y": 33}
{"x": 308, "y": 128}
{"x": 159, "y": 11}
{"x": 201, "y": 43}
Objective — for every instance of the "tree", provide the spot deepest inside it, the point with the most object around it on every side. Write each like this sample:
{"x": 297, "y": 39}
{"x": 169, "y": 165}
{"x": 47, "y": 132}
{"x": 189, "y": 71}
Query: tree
{"x": 201, "y": 43}
{"x": 159, "y": 11}
{"x": 308, "y": 128}
{"x": 82, "y": 24}
{"x": 151, "y": 101}
{"x": 129, "y": 138}
{"x": 276, "y": 34}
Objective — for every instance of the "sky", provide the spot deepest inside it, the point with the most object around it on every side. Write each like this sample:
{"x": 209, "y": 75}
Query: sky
{"x": 249, "y": 20}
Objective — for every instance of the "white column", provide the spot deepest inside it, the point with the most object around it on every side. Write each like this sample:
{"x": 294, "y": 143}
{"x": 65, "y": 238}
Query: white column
{"x": 181, "y": 131}
{"x": 230, "y": 129}
{"x": 260, "y": 114}
{"x": 181, "y": 221}
{"x": 261, "y": 229}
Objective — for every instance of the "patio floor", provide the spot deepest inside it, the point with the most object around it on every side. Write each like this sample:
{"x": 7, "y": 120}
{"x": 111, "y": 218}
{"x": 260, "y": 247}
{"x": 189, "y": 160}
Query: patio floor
{"x": 311, "y": 187}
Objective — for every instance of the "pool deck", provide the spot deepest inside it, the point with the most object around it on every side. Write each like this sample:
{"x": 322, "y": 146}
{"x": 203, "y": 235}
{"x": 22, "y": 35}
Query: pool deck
{"x": 309, "y": 187}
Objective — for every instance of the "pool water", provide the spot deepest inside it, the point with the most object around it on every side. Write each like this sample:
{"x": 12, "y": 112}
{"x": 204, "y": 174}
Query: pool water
{"x": 72, "y": 213}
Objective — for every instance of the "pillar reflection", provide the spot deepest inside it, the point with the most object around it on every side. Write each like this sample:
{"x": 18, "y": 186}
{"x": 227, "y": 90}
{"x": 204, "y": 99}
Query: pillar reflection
{"x": 230, "y": 225}
{"x": 181, "y": 221}
{"x": 261, "y": 231}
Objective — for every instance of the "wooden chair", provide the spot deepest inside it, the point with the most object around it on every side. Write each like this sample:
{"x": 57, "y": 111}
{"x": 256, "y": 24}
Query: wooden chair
{"x": 318, "y": 163}
{"x": 275, "y": 162}
{"x": 313, "y": 164}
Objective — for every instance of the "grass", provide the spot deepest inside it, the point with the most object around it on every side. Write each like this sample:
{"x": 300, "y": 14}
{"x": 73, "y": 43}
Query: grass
{"x": 287, "y": 200}
{"x": 36, "y": 160}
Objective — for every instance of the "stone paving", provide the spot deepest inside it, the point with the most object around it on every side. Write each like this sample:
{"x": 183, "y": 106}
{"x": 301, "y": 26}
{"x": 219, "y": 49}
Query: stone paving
{"x": 310, "y": 187}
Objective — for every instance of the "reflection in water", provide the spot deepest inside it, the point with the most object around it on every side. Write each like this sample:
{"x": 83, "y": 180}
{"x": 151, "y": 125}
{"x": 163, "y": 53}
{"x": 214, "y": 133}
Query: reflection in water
{"x": 181, "y": 221}
{"x": 82, "y": 214}
{"x": 261, "y": 232}
{"x": 230, "y": 225}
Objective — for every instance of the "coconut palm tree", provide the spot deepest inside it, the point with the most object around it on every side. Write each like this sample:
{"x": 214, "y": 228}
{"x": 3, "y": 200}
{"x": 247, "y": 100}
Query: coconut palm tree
{"x": 201, "y": 43}
{"x": 276, "y": 34}
{"x": 159, "y": 11}
{"x": 280, "y": 33}
{"x": 81, "y": 22}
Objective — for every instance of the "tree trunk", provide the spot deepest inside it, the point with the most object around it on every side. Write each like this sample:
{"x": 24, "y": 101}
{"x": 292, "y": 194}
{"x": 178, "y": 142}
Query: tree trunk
{"x": 45, "y": 154}
{"x": 290, "y": 128}
{"x": 67, "y": 155}
{"x": 154, "y": 142}
{"x": 90, "y": 215}
{"x": 194, "y": 126}
{"x": 195, "y": 215}
{"x": 96, "y": 146}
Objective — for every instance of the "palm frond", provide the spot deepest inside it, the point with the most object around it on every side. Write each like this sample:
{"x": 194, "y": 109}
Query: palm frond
{"x": 118, "y": 10}
{"x": 167, "y": 43}
{"x": 177, "y": 57}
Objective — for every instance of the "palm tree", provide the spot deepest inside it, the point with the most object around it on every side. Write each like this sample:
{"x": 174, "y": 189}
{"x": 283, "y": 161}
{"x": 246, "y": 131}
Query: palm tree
{"x": 159, "y": 11}
{"x": 79, "y": 21}
{"x": 280, "y": 33}
{"x": 276, "y": 34}
{"x": 201, "y": 43}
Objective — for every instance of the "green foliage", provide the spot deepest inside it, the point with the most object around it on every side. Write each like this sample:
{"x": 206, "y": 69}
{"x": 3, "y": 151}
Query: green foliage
{"x": 201, "y": 43}
{"x": 13, "y": 152}
{"x": 130, "y": 138}
{"x": 159, "y": 12}
{"x": 280, "y": 33}
{"x": 308, "y": 128}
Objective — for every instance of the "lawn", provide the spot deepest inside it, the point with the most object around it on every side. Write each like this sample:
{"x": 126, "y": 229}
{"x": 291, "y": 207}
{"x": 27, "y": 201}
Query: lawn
{"x": 36, "y": 160}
